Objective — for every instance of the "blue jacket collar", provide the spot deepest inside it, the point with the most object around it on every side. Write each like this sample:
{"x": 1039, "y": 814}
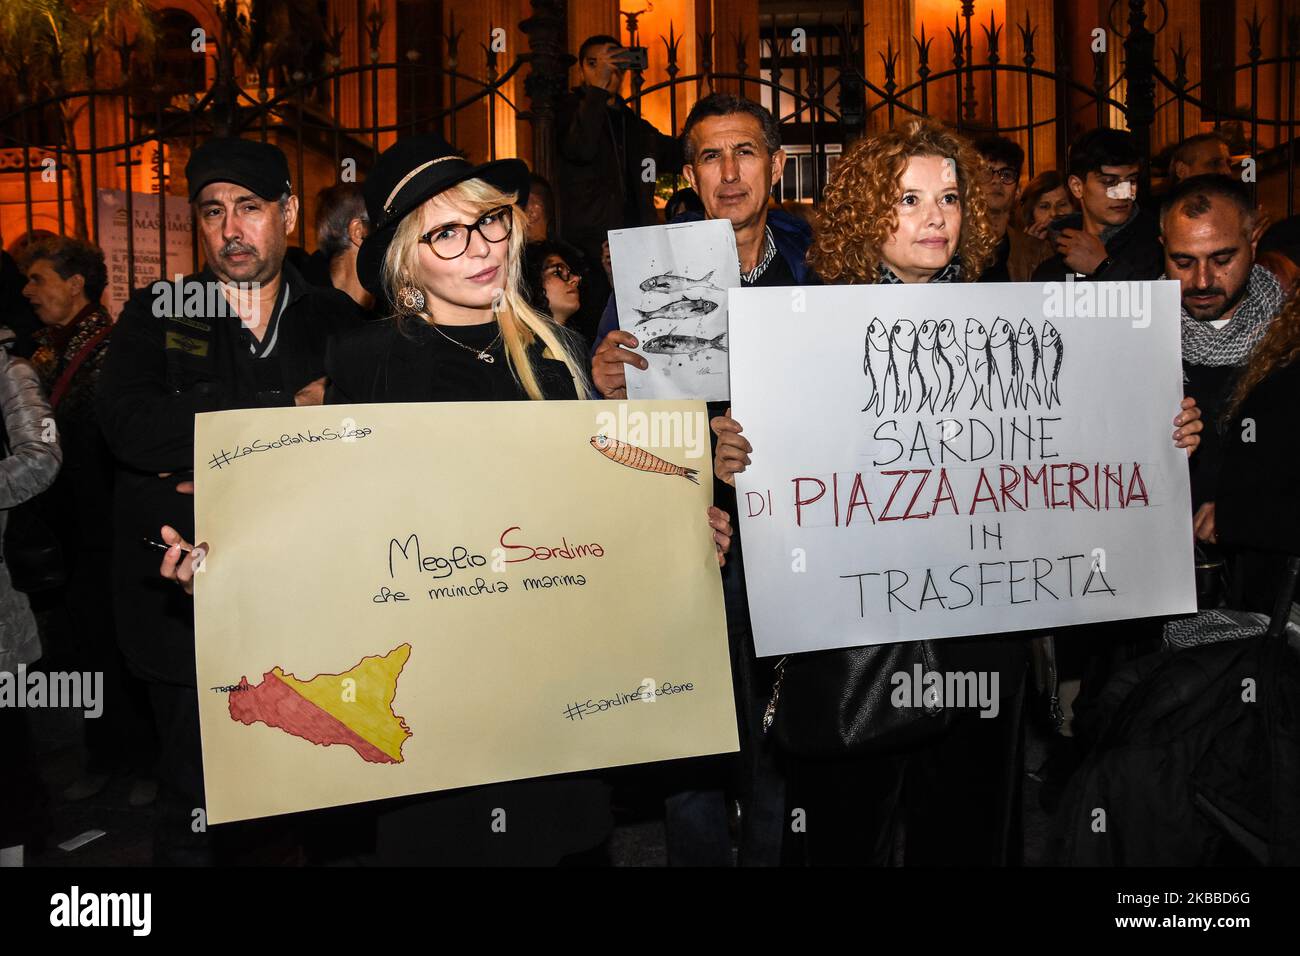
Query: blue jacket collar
{"x": 792, "y": 235}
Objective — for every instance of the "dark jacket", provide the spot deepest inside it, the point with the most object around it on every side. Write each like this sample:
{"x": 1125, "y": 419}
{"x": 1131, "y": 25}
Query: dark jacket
{"x": 1016, "y": 257}
{"x": 159, "y": 373}
{"x": 1257, "y": 506}
{"x": 79, "y": 507}
{"x": 792, "y": 236}
{"x": 1211, "y": 386}
{"x": 1134, "y": 249}
{"x": 15, "y": 311}
{"x": 549, "y": 817}
{"x": 384, "y": 362}
{"x": 601, "y": 148}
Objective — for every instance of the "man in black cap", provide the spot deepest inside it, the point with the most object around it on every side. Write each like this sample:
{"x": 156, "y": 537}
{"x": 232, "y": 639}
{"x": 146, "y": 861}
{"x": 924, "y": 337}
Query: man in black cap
{"x": 247, "y": 331}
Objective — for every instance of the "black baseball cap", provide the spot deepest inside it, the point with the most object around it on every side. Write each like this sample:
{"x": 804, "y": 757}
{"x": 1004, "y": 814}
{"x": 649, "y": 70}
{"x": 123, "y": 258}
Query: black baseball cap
{"x": 261, "y": 167}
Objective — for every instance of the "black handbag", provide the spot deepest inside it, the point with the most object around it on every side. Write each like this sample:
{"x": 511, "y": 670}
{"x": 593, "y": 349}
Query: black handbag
{"x": 839, "y": 703}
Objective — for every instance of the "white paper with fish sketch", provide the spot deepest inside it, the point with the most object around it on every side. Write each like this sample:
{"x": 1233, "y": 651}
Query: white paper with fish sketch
{"x": 945, "y": 460}
{"x": 670, "y": 283}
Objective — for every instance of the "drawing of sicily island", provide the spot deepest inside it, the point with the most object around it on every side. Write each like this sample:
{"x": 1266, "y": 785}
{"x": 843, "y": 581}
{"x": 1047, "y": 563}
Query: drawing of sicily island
{"x": 354, "y": 708}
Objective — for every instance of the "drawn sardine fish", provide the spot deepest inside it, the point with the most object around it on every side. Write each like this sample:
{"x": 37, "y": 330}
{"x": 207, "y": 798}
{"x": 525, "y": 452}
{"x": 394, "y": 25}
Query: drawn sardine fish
{"x": 877, "y": 365}
{"x": 1052, "y": 353}
{"x": 637, "y": 458}
{"x": 929, "y": 368}
{"x": 902, "y": 346}
{"x": 683, "y": 308}
{"x": 927, "y": 340}
{"x": 1005, "y": 363}
{"x": 950, "y": 361}
{"x": 673, "y": 344}
{"x": 979, "y": 363}
{"x": 667, "y": 282}
{"x": 1029, "y": 363}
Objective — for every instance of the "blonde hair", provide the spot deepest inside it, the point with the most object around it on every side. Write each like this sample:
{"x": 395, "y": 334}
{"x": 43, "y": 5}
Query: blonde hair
{"x": 857, "y": 214}
{"x": 521, "y": 324}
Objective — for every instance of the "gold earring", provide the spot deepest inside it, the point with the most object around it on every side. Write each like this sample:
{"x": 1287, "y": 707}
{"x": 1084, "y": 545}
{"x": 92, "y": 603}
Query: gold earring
{"x": 410, "y": 299}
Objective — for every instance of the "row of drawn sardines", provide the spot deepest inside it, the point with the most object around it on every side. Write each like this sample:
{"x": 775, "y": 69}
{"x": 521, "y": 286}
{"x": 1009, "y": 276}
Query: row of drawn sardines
{"x": 927, "y": 368}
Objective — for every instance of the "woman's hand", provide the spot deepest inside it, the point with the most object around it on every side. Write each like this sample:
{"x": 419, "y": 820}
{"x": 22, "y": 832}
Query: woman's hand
{"x": 1203, "y": 524}
{"x": 182, "y": 559}
{"x": 720, "y": 522}
{"x": 1188, "y": 425}
{"x": 1038, "y": 229}
{"x": 607, "y": 371}
{"x": 732, "y": 455}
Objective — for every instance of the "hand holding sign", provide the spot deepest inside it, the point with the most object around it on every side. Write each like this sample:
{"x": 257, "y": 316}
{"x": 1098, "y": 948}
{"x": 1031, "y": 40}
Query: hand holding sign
{"x": 1014, "y": 491}
{"x": 607, "y": 372}
{"x": 732, "y": 454}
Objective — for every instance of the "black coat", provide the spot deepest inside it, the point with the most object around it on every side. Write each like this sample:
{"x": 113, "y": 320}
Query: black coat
{"x": 15, "y": 311}
{"x": 1135, "y": 252}
{"x": 160, "y": 371}
{"x": 1257, "y": 508}
{"x": 549, "y": 817}
{"x": 383, "y": 361}
{"x": 601, "y": 148}
{"x": 1210, "y": 385}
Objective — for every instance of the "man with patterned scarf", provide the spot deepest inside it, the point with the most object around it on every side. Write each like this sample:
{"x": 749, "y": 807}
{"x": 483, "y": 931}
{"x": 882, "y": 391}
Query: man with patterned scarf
{"x": 1206, "y": 226}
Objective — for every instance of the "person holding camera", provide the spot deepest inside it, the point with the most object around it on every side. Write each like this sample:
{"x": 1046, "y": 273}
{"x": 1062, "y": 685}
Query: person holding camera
{"x": 607, "y": 157}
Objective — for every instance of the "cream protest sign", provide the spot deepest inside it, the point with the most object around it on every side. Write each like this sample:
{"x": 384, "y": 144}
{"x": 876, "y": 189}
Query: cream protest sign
{"x": 408, "y": 598}
{"x": 944, "y": 460}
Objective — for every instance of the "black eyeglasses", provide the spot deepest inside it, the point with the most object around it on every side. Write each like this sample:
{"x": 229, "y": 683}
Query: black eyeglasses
{"x": 561, "y": 272}
{"x": 1003, "y": 174}
{"x": 451, "y": 241}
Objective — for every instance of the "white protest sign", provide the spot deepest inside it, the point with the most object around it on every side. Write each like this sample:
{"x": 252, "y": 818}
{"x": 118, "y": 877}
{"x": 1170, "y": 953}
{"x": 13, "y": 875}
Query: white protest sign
{"x": 943, "y": 460}
{"x": 112, "y": 239}
{"x": 670, "y": 283}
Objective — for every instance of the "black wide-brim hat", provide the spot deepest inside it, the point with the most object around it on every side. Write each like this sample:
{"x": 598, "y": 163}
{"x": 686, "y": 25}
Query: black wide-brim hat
{"x": 410, "y": 171}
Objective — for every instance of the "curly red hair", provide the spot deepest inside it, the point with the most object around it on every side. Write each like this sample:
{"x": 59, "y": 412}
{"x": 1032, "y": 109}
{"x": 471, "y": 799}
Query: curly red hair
{"x": 857, "y": 214}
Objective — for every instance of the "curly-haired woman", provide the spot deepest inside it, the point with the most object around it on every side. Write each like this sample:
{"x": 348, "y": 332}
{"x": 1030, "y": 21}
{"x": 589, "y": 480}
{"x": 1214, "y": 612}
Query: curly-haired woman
{"x": 906, "y": 206}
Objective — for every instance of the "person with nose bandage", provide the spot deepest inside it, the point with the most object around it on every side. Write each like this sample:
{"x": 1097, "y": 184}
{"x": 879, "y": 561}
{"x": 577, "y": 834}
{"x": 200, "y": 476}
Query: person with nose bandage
{"x": 1110, "y": 239}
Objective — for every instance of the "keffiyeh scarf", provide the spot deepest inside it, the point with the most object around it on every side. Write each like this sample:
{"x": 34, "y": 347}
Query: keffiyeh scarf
{"x": 1231, "y": 345}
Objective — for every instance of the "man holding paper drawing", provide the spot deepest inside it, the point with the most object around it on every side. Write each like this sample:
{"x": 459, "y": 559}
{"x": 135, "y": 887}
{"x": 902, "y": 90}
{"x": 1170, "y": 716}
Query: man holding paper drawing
{"x": 733, "y": 160}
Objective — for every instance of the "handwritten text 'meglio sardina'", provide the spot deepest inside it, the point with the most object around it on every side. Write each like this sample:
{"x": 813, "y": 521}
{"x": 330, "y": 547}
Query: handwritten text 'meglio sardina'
{"x": 452, "y": 570}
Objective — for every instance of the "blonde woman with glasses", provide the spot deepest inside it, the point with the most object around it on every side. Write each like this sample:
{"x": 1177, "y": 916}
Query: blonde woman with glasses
{"x": 446, "y": 249}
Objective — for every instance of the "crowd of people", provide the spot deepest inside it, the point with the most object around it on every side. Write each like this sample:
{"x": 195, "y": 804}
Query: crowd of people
{"x": 441, "y": 280}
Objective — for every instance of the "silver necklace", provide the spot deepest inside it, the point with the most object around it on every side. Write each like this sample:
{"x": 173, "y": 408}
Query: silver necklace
{"x": 481, "y": 354}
